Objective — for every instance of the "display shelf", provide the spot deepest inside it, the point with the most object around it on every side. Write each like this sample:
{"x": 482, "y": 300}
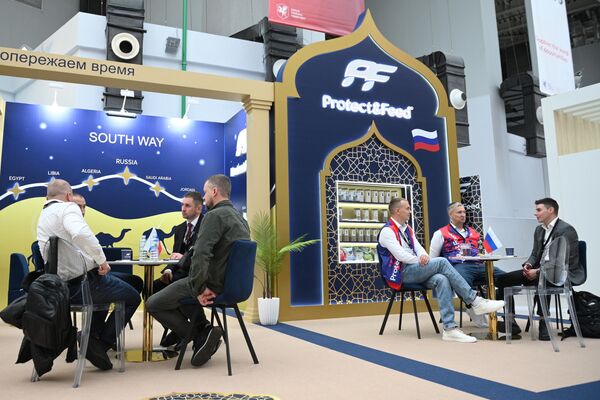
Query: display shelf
{"x": 358, "y": 244}
{"x": 360, "y": 224}
{"x": 379, "y": 206}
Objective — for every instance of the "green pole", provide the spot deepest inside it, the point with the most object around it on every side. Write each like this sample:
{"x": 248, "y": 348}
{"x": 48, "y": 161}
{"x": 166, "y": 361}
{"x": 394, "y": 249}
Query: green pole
{"x": 184, "y": 50}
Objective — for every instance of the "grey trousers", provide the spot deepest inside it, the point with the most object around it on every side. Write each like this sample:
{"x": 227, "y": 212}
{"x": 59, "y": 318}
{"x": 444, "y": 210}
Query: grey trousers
{"x": 165, "y": 307}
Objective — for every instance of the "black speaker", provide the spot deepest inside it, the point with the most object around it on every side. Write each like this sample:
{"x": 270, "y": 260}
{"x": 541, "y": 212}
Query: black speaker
{"x": 522, "y": 96}
{"x": 124, "y": 43}
{"x": 451, "y": 72}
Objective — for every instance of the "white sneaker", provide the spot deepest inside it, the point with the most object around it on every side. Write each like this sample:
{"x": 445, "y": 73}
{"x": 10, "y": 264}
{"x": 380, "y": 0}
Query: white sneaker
{"x": 479, "y": 321}
{"x": 456, "y": 335}
{"x": 482, "y": 306}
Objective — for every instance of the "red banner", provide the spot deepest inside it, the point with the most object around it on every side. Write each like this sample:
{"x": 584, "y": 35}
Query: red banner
{"x": 337, "y": 17}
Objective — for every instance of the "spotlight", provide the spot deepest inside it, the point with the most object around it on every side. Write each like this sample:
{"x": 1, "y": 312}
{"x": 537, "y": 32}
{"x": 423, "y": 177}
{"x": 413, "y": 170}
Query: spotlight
{"x": 123, "y": 112}
{"x": 56, "y": 86}
{"x": 190, "y": 101}
{"x": 458, "y": 99}
{"x": 172, "y": 45}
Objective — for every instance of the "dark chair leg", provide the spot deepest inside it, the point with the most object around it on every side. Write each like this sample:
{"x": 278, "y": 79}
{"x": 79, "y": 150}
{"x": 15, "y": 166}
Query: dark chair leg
{"x": 401, "y": 311}
{"x": 245, "y": 332}
{"x": 164, "y": 335}
{"x": 75, "y": 319}
{"x": 130, "y": 325}
{"x": 412, "y": 297}
{"x": 437, "y": 330}
{"x": 460, "y": 318}
{"x": 387, "y": 313}
{"x": 225, "y": 338}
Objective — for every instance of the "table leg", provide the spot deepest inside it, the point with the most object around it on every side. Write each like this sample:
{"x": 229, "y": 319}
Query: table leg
{"x": 147, "y": 353}
{"x": 493, "y": 332}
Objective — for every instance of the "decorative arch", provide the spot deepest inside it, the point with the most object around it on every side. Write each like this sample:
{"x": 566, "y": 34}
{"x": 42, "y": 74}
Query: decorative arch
{"x": 384, "y": 163}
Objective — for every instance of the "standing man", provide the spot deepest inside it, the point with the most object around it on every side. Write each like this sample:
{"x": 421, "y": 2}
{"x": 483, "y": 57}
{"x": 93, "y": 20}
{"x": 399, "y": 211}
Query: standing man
{"x": 550, "y": 228}
{"x": 221, "y": 227}
{"x": 449, "y": 240}
{"x": 62, "y": 218}
{"x": 185, "y": 236}
{"x": 403, "y": 259}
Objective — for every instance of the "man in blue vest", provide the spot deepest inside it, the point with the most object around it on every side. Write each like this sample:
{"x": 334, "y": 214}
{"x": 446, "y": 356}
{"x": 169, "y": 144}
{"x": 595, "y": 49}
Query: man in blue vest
{"x": 403, "y": 259}
{"x": 457, "y": 239}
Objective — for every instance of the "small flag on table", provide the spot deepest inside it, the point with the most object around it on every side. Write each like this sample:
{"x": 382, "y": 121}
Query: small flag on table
{"x": 152, "y": 237}
{"x": 491, "y": 241}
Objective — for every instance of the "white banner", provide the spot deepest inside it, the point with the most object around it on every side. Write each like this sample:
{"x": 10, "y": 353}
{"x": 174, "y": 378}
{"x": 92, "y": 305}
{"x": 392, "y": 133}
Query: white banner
{"x": 551, "y": 47}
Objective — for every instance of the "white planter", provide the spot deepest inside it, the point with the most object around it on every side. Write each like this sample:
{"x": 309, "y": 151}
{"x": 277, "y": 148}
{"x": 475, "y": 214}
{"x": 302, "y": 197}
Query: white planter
{"x": 268, "y": 310}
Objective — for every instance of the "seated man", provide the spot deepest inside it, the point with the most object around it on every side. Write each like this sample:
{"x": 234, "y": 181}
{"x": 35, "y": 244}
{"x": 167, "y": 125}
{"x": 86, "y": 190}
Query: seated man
{"x": 448, "y": 241}
{"x": 185, "y": 236}
{"x": 221, "y": 227}
{"x": 405, "y": 260}
{"x": 62, "y": 218}
{"x": 551, "y": 227}
{"x": 131, "y": 279}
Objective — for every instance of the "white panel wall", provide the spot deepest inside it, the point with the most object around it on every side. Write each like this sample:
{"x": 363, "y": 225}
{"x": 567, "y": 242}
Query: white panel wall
{"x": 510, "y": 180}
{"x": 84, "y": 36}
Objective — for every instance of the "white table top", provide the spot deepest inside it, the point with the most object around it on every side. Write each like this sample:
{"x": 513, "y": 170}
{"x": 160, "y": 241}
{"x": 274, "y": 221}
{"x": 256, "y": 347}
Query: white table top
{"x": 144, "y": 262}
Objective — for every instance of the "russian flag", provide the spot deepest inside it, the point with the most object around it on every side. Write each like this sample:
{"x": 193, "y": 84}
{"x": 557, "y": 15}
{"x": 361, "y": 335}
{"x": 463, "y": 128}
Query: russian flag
{"x": 425, "y": 140}
{"x": 491, "y": 241}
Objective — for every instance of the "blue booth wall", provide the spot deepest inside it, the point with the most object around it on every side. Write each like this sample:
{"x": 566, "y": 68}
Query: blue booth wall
{"x": 132, "y": 172}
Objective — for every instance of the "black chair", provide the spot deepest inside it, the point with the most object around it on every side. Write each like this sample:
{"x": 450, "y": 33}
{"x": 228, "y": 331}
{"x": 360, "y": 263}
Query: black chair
{"x": 410, "y": 288}
{"x": 239, "y": 279}
{"x": 18, "y": 271}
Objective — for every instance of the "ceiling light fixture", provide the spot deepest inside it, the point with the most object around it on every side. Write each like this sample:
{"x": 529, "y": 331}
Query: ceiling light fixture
{"x": 123, "y": 112}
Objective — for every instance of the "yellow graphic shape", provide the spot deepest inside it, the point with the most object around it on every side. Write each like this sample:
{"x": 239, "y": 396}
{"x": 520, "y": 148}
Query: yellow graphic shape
{"x": 126, "y": 175}
{"x": 157, "y": 188}
{"x": 90, "y": 182}
{"x": 16, "y": 190}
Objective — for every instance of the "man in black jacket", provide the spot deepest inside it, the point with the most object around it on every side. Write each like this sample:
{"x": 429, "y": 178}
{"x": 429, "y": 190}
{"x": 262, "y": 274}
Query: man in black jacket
{"x": 551, "y": 228}
{"x": 221, "y": 227}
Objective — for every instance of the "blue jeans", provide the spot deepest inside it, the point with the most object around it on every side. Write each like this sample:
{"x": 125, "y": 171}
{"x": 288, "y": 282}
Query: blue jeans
{"x": 475, "y": 273}
{"x": 440, "y": 276}
{"x": 107, "y": 289}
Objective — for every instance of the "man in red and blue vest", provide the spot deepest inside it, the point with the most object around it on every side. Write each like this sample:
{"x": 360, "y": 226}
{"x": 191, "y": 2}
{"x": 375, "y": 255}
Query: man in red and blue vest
{"x": 402, "y": 259}
{"x": 451, "y": 240}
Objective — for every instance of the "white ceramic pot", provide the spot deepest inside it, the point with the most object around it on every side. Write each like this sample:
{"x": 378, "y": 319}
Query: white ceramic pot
{"x": 268, "y": 310}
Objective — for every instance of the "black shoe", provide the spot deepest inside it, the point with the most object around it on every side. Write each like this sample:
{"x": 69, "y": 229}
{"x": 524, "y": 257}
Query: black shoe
{"x": 502, "y": 329}
{"x": 204, "y": 349}
{"x": 170, "y": 340}
{"x": 543, "y": 331}
{"x": 96, "y": 353}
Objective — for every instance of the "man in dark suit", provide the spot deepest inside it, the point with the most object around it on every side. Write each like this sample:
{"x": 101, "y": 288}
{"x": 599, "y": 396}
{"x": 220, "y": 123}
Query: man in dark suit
{"x": 185, "y": 236}
{"x": 551, "y": 228}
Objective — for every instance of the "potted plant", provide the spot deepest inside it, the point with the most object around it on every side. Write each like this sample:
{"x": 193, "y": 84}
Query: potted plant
{"x": 270, "y": 257}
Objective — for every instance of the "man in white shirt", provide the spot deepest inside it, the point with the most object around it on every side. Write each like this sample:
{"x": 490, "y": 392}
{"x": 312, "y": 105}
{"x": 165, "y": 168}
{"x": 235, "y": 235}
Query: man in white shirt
{"x": 79, "y": 252}
{"x": 551, "y": 227}
{"x": 456, "y": 239}
{"x": 403, "y": 259}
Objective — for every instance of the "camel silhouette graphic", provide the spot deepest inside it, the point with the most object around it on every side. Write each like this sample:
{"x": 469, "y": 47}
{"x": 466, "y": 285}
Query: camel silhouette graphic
{"x": 162, "y": 235}
{"x": 108, "y": 240}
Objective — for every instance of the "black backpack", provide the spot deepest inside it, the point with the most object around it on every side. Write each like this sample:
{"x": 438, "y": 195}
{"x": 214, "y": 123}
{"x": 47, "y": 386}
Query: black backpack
{"x": 46, "y": 321}
{"x": 587, "y": 306}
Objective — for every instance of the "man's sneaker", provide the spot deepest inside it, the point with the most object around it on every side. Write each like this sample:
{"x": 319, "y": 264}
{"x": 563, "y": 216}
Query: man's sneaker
{"x": 479, "y": 321}
{"x": 543, "y": 334}
{"x": 205, "y": 349}
{"x": 456, "y": 335}
{"x": 482, "y": 306}
{"x": 516, "y": 329}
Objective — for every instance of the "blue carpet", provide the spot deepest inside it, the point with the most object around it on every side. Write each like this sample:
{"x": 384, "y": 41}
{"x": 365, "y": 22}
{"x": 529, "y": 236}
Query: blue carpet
{"x": 432, "y": 373}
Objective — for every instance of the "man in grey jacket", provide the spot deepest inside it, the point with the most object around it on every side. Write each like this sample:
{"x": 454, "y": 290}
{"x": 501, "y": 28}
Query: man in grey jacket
{"x": 550, "y": 228}
{"x": 222, "y": 225}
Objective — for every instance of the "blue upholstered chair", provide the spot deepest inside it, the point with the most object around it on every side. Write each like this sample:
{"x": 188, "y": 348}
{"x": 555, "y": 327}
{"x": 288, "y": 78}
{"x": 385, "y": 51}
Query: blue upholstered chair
{"x": 18, "y": 271}
{"x": 239, "y": 279}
